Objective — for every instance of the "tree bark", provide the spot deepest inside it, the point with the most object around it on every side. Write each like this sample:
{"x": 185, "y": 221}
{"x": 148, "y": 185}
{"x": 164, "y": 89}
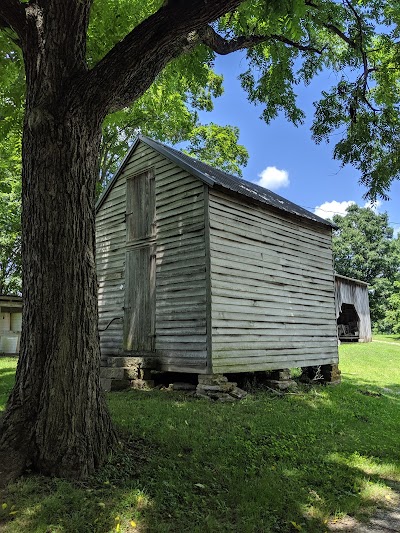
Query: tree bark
{"x": 56, "y": 421}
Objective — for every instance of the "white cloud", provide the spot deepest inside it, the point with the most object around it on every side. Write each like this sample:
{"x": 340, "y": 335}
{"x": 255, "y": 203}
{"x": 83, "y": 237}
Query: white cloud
{"x": 373, "y": 205}
{"x": 329, "y": 209}
{"x": 273, "y": 178}
{"x": 396, "y": 231}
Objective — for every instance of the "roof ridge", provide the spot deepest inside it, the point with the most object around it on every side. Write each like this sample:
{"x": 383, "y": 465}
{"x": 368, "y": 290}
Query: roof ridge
{"x": 234, "y": 183}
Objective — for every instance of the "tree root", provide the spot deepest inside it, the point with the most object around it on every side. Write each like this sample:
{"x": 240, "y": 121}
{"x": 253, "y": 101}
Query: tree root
{"x": 12, "y": 466}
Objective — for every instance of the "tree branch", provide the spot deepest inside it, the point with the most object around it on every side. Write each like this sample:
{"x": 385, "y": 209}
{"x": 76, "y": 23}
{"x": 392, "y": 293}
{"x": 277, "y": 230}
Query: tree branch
{"x": 222, "y": 46}
{"x": 129, "y": 69}
{"x": 331, "y": 27}
{"x": 12, "y": 15}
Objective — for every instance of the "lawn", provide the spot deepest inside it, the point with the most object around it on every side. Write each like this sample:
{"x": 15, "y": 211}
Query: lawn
{"x": 266, "y": 464}
{"x": 388, "y": 338}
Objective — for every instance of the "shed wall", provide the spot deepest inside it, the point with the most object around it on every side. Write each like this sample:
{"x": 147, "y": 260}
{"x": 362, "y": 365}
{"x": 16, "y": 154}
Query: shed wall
{"x": 272, "y": 289}
{"x": 180, "y": 314}
{"x": 353, "y": 293}
{"x": 10, "y": 325}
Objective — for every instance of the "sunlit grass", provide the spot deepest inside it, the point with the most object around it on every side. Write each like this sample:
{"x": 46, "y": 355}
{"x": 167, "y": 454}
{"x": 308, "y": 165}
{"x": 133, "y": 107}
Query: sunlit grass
{"x": 7, "y": 372}
{"x": 388, "y": 338}
{"x": 268, "y": 463}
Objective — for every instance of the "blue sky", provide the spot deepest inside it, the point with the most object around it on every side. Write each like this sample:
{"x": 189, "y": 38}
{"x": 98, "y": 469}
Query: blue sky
{"x": 312, "y": 176}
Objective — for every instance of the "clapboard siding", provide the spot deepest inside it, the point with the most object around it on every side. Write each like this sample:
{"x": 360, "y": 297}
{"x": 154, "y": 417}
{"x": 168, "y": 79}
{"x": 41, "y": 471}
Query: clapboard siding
{"x": 239, "y": 286}
{"x": 110, "y": 261}
{"x": 181, "y": 332}
{"x": 180, "y": 329}
{"x": 272, "y": 299}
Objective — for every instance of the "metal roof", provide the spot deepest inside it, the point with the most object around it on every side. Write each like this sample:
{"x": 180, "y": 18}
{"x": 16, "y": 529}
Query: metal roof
{"x": 351, "y": 280}
{"x": 213, "y": 176}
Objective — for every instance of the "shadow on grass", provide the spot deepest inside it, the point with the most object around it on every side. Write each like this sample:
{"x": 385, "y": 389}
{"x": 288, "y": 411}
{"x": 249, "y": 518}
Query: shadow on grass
{"x": 273, "y": 464}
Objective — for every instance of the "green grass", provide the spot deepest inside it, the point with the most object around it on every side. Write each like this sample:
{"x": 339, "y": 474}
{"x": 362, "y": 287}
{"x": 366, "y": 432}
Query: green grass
{"x": 7, "y": 372}
{"x": 266, "y": 464}
{"x": 389, "y": 338}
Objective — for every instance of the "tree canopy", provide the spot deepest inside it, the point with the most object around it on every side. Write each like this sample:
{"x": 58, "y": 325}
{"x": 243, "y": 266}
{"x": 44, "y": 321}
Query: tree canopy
{"x": 287, "y": 43}
{"x": 364, "y": 249}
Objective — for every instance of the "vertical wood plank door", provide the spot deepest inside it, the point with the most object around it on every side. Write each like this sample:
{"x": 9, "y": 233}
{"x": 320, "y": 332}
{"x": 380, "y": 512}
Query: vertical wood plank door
{"x": 139, "y": 315}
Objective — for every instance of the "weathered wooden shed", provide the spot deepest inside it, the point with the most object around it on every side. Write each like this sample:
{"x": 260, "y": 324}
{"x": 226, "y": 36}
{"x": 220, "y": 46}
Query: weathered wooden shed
{"x": 10, "y": 324}
{"x": 200, "y": 271}
{"x": 352, "y": 309}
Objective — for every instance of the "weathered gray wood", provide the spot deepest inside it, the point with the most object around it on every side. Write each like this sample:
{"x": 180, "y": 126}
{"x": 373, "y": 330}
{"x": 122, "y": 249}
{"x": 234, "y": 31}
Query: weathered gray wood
{"x": 273, "y": 277}
{"x": 180, "y": 230}
{"x": 233, "y": 305}
{"x": 274, "y": 245}
{"x": 140, "y": 206}
{"x": 250, "y": 365}
{"x": 196, "y": 279}
{"x": 261, "y": 317}
{"x": 180, "y": 271}
{"x": 254, "y": 279}
{"x": 187, "y": 211}
{"x": 181, "y": 331}
{"x": 139, "y": 306}
{"x": 281, "y": 254}
{"x": 281, "y": 352}
{"x": 266, "y": 234}
{"x": 271, "y": 296}
{"x": 244, "y": 328}
{"x": 170, "y": 233}
{"x": 268, "y": 265}
{"x": 355, "y": 293}
{"x": 272, "y": 288}
{"x": 244, "y": 209}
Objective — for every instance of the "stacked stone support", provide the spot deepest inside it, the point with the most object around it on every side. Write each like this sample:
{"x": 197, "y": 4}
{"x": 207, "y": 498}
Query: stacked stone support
{"x": 125, "y": 372}
{"x": 325, "y": 374}
{"x": 217, "y": 387}
{"x": 280, "y": 380}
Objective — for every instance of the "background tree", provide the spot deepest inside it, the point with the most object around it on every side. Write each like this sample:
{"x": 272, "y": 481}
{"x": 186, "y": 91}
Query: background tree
{"x": 366, "y": 107}
{"x": 10, "y": 237}
{"x": 391, "y": 321}
{"x": 56, "y": 420}
{"x": 218, "y": 146}
{"x": 364, "y": 249}
{"x": 10, "y": 210}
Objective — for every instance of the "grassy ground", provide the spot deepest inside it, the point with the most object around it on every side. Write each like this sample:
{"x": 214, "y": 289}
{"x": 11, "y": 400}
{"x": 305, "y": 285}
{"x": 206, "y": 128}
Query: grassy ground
{"x": 389, "y": 338}
{"x": 266, "y": 464}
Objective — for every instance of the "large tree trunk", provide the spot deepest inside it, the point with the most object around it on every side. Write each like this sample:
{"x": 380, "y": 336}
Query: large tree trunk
{"x": 57, "y": 421}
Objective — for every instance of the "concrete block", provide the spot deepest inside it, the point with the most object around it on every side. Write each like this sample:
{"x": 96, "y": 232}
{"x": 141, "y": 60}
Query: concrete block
{"x": 183, "y": 386}
{"x": 112, "y": 373}
{"x": 212, "y": 379}
{"x": 105, "y": 384}
{"x": 281, "y": 385}
{"x": 130, "y": 373}
{"x": 142, "y": 384}
{"x": 237, "y": 393}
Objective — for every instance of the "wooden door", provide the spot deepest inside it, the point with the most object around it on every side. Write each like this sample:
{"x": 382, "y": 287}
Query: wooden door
{"x": 140, "y": 264}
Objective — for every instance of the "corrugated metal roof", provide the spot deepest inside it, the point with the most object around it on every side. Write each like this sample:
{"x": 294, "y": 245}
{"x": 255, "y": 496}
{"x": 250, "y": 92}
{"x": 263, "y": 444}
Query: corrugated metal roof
{"x": 213, "y": 176}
